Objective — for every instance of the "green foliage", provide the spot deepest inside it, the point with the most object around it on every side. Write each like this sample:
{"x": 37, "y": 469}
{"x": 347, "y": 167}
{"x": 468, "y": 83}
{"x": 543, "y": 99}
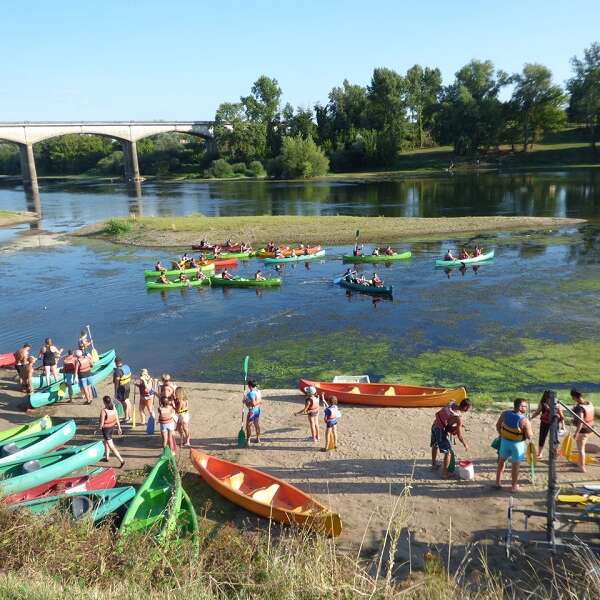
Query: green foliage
{"x": 72, "y": 153}
{"x": 9, "y": 159}
{"x": 221, "y": 169}
{"x": 256, "y": 169}
{"x": 117, "y": 226}
{"x": 301, "y": 157}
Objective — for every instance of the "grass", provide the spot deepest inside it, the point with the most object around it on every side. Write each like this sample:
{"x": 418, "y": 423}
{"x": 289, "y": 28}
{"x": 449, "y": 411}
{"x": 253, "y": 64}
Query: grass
{"x": 8, "y": 217}
{"x": 173, "y": 231}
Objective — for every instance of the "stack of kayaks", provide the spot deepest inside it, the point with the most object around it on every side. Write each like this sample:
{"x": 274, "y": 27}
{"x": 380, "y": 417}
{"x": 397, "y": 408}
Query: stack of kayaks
{"x": 365, "y": 289}
{"x": 370, "y": 258}
{"x": 488, "y": 256}
{"x": 295, "y": 258}
{"x": 244, "y": 282}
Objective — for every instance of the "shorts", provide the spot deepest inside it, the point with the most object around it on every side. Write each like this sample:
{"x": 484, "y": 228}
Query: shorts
{"x": 123, "y": 393}
{"x": 512, "y": 449}
{"x": 331, "y": 424}
{"x": 107, "y": 433}
{"x": 253, "y": 415}
{"x": 313, "y": 413}
{"x": 85, "y": 381}
{"x": 184, "y": 417}
{"x": 167, "y": 426}
{"x": 69, "y": 378}
{"x": 440, "y": 439}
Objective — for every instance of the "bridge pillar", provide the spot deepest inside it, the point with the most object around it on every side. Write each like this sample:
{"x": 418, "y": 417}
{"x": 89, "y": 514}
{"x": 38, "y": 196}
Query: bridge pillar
{"x": 130, "y": 160}
{"x": 28, "y": 171}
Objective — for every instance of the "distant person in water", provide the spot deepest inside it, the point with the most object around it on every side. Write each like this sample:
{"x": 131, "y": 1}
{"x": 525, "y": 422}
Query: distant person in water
{"x": 449, "y": 255}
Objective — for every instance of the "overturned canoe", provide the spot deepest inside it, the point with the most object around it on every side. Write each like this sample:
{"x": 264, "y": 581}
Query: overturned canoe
{"x": 173, "y": 285}
{"x": 381, "y": 258}
{"x": 27, "y": 429}
{"x": 365, "y": 289}
{"x": 243, "y": 282}
{"x": 465, "y": 261}
{"x": 299, "y": 258}
{"x": 386, "y": 394}
{"x": 265, "y": 495}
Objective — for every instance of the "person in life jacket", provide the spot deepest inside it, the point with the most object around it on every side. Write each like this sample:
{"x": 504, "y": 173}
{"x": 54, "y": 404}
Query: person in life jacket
{"x": 122, "y": 383}
{"x": 83, "y": 370}
{"x": 514, "y": 429}
{"x": 544, "y": 410}
{"x": 109, "y": 419}
{"x": 584, "y": 409}
{"x": 69, "y": 365}
{"x": 447, "y": 422}
{"x": 332, "y": 415}
{"x": 147, "y": 393}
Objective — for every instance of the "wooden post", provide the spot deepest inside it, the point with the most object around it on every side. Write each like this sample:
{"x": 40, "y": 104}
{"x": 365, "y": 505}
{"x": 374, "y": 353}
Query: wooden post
{"x": 552, "y": 483}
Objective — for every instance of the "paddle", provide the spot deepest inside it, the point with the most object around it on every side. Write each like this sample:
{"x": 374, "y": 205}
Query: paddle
{"x": 94, "y": 351}
{"x": 242, "y": 433}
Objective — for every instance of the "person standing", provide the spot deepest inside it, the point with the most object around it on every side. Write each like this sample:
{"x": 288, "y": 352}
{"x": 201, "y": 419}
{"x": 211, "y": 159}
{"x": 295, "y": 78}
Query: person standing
{"x": 332, "y": 414}
{"x": 83, "y": 370}
{"x": 253, "y": 402}
{"x": 22, "y": 364}
{"x": 514, "y": 429}
{"x": 584, "y": 409}
{"x": 69, "y": 366}
{"x": 183, "y": 416}
{"x": 84, "y": 343}
{"x": 28, "y": 368}
{"x": 109, "y": 419}
{"x": 122, "y": 385}
{"x": 311, "y": 409}
{"x": 49, "y": 354}
{"x": 448, "y": 421}
{"x": 166, "y": 414}
{"x": 545, "y": 411}
{"x": 147, "y": 393}
{"x": 166, "y": 389}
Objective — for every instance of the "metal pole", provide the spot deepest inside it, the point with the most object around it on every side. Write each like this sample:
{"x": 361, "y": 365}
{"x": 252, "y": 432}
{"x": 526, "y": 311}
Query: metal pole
{"x": 552, "y": 483}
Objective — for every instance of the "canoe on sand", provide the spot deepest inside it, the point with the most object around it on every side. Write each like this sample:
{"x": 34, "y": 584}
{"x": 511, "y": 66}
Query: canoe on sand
{"x": 386, "y": 394}
{"x": 27, "y": 429}
{"x": 265, "y": 495}
{"x": 7, "y": 360}
{"x": 465, "y": 261}
{"x": 370, "y": 258}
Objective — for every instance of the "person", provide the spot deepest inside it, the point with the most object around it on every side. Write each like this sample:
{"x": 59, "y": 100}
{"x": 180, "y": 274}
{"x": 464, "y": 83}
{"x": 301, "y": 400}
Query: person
{"x": 448, "y": 421}
{"x": 259, "y": 276}
{"x": 375, "y": 252}
{"x": 377, "y": 281}
{"x": 226, "y": 274}
{"x": 22, "y": 364}
{"x": 216, "y": 251}
{"x": 253, "y": 401}
{"x": 358, "y": 250}
{"x": 514, "y": 429}
{"x": 164, "y": 279}
{"x": 545, "y": 410}
{"x": 84, "y": 343}
{"x": 229, "y": 243}
{"x": 389, "y": 251}
{"x": 166, "y": 421}
{"x": 109, "y": 419}
{"x": 29, "y": 374}
{"x": 185, "y": 258}
{"x": 584, "y": 409}
{"x": 311, "y": 408}
{"x": 279, "y": 253}
{"x": 332, "y": 414}
{"x": 49, "y": 354}
{"x": 122, "y": 384}
{"x": 449, "y": 255}
{"x": 158, "y": 266}
{"x": 199, "y": 275}
{"x": 463, "y": 254}
{"x": 83, "y": 371}
{"x": 147, "y": 394}
{"x": 69, "y": 365}
{"x": 183, "y": 278}
{"x": 166, "y": 389}
{"x": 478, "y": 251}
{"x": 270, "y": 247}
{"x": 183, "y": 415}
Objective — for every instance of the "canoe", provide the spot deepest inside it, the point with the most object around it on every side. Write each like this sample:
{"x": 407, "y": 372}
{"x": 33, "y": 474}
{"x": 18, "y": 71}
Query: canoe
{"x": 465, "y": 261}
{"x": 34, "y": 445}
{"x": 369, "y": 258}
{"x": 39, "y": 381}
{"x": 7, "y": 360}
{"x": 174, "y": 285}
{"x": 265, "y": 495}
{"x": 177, "y": 272}
{"x": 365, "y": 289}
{"x": 221, "y": 258}
{"x": 57, "y": 392}
{"x": 211, "y": 247}
{"x": 96, "y": 479}
{"x": 386, "y": 394}
{"x": 243, "y": 282}
{"x": 157, "y": 502}
{"x": 186, "y": 524}
{"x": 298, "y": 258}
{"x": 92, "y": 504}
{"x": 24, "y": 474}
{"x": 27, "y": 429}
{"x": 287, "y": 251}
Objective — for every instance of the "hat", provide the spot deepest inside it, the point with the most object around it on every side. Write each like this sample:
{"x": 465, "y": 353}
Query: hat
{"x": 78, "y": 353}
{"x": 310, "y": 389}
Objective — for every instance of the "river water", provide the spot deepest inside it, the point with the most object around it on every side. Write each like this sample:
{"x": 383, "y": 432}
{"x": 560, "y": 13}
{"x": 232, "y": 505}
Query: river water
{"x": 540, "y": 292}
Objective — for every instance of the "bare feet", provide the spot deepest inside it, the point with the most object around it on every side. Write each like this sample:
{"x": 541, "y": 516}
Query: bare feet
{"x": 514, "y": 489}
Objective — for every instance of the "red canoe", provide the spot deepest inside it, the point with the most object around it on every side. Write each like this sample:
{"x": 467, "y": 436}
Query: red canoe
{"x": 220, "y": 263}
{"x": 386, "y": 394}
{"x": 98, "y": 479}
{"x": 211, "y": 247}
{"x": 7, "y": 360}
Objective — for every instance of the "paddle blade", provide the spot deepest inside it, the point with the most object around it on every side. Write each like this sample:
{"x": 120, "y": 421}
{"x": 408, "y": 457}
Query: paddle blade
{"x": 62, "y": 390}
{"x": 566, "y": 446}
{"x": 246, "y": 361}
{"x": 119, "y": 409}
{"x": 95, "y": 356}
{"x": 242, "y": 438}
{"x": 150, "y": 425}
{"x": 357, "y": 233}
{"x": 452, "y": 464}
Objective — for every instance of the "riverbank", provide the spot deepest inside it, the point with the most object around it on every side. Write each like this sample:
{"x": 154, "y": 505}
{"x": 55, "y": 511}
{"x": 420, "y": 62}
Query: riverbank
{"x": 8, "y": 217}
{"x": 165, "y": 232}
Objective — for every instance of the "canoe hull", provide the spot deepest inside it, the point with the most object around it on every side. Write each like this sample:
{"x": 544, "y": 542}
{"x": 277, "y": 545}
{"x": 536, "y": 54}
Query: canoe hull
{"x": 242, "y": 282}
{"x": 467, "y": 261}
{"x": 28, "y": 429}
{"x": 376, "y": 259}
{"x": 7, "y": 360}
{"x": 177, "y": 285}
{"x": 292, "y": 259}
{"x": 373, "y": 394}
{"x": 177, "y": 272}
{"x": 365, "y": 289}
{"x": 287, "y": 252}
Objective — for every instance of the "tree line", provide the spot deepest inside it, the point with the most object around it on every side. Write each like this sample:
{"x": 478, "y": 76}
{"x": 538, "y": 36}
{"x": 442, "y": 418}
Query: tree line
{"x": 359, "y": 127}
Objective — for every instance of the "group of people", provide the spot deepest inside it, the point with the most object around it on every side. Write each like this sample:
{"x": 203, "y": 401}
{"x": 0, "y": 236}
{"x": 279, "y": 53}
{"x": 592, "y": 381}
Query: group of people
{"x": 358, "y": 250}
{"x": 351, "y": 276}
{"x": 463, "y": 254}
{"x": 312, "y": 405}
{"x": 515, "y": 432}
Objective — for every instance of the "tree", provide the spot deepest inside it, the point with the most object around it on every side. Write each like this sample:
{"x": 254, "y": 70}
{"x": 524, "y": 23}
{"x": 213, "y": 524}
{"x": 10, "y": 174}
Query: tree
{"x": 237, "y": 137}
{"x": 539, "y": 103}
{"x": 423, "y": 86}
{"x": 301, "y": 157}
{"x": 584, "y": 87}
{"x": 299, "y": 123}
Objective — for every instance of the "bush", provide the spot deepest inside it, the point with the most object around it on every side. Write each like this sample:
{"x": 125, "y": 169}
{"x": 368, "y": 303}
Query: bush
{"x": 256, "y": 169}
{"x": 239, "y": 168}
{"x": 117, "y": 226}
{"x": 221, "y": 168}
{"x": 300, "y": 158}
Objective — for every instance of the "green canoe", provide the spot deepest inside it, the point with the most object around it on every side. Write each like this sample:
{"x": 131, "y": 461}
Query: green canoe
{"x": 157, "y": 502}
{"x": 243, "y": 282}
{"x": 187, "y": 521}
{"x": 95, "y": 504}
{"x": 223, "y": 255}
{"x": 27, "y": 429}
{"x": 58, "y": 392}
{"x": 291, "y": 259}
{"x": 36, "y": 444}
{"x": 174, "y": 285}
{"x": 176, "y": 272}
{"x": 369, "y": 258}
{"x": 39, "y": 381}
{"x": 24, "y": 474}
{"x": 465, "y": 261}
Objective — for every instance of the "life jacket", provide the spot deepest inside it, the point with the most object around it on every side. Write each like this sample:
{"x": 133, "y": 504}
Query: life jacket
{"x": 125, "y": 378}
{"x": 588, "y": 413}
{"x": 511, "y": 429}
{"x": 69, "y": 364}
{"x": 314, "y": 403}
{"x": 146, "y": 392}
{"x": 443, "y": 415}
{"x": 85, "y": 365}
{"x": 334, "y": 413}
{"x": 110, "y": 417}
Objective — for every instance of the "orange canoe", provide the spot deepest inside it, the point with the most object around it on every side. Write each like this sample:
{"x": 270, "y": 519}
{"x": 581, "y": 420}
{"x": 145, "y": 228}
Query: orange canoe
{"x": 386, "y": 394}
{"x": 264, "y": 494}
{"x": 286, "y": 251}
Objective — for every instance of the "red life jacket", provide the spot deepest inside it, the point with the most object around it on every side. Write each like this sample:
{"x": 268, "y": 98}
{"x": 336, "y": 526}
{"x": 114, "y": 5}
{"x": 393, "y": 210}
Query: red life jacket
{"x": 69, "y": 364}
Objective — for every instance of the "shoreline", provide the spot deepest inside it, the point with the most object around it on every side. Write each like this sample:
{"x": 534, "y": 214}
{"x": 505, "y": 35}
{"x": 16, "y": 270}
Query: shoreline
{"x": 9, "y": 217}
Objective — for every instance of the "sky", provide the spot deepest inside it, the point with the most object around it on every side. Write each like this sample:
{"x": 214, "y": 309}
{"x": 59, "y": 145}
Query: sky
{"x": 179, "y": 59}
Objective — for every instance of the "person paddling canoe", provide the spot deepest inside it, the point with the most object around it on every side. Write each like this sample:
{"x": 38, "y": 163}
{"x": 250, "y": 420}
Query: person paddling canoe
{"x": 449, "y": 255}
{"x": 311, "y": 409}
{"x": 447, "y": 422}
{"x": 464, "y": 254}
{"x": 226, "y": 275}
{"x": 258, "y": 276}
{"x": 375, "y": 252}
{"x": 389, "y": 251}
{"x": 199, "y": 275}
{"x": 183, "y": 278}
{"x": 158, "y": 266}
{"x": 163, "y": 279}
{"x": 377, "y": 281}
{"x": 478, "y": 251}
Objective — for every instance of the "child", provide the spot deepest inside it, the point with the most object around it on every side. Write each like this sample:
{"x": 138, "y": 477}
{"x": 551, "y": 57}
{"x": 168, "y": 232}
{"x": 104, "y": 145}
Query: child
{"x": 109, "y": 419}
{"x": 166, "y": 413}
{"x": 253, "y": 401}
{"x": 147, "y": 394}
{"x": 332, "y": 414}
{"x": 311, "y": 408}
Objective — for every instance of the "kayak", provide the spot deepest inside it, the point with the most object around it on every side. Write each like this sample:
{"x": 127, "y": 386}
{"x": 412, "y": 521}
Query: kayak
{"x": 265, "y": 495}
{"x": 465, "y": 261}
{"x": 386, "y": 394}
{"x": 370, "y": 258}
{"x": 243, "y": 282}
{"x": 177, "y": 272}
{"x": 36, "y": 444}
{"x": 298, "y": 258}
{"x": 24, "y": 474}
{"x": 27, "y": 429}
{"x": 97, "y": 479}
{"x": 39, "y": 381}
{"x": 57, "y": 392}
{"x": 95, "y": 504}
{"x": 155, "y": 285}
{"x": 365, "y": 289}
{"x": 7, "y": 360}
{"x": 157, "y": 502}
{"x": 287, "y": 251}
{"x": 222, "y": 259}
{"x": 580, "y": 499}
{"x": 224, "y": 247}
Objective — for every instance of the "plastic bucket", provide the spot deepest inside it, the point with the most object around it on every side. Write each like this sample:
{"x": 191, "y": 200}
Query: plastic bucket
{"x": 466, "y": 470}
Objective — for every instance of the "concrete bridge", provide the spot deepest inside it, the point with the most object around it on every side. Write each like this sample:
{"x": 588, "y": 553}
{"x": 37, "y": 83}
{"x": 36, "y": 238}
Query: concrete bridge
{"x": 127, "y": 132}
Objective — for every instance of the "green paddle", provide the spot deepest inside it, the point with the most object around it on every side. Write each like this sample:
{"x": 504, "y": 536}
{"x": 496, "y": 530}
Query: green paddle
{"x": 242, "y": 433}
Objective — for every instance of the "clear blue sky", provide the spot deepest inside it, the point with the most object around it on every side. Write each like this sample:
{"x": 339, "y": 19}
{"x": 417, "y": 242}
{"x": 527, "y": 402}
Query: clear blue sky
{"x": 178, "y": 59}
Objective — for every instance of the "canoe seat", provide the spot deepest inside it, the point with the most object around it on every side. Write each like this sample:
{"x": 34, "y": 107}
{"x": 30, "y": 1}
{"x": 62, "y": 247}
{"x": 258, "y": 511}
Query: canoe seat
{"x": 31, "y": 465}
{"x": 354, "y": 390}
{"x": 391, "y": 391}
{"x": 80, "y": 505}
{"x": 301, "y": 510}
{"x": 265, "y": 495}
{"x": 9, "y": 449}
{"x": 234, "y": 481}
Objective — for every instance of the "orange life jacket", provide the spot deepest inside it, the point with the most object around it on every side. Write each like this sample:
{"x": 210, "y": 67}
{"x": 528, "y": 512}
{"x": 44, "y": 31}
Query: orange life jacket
{"x": 69, "y": 364}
